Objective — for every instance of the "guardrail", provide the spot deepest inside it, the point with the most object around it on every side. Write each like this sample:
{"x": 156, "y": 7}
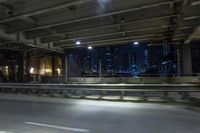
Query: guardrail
{"x": 136, "y": 75}
{"x": 50, "y": 79}
{"x": 84, "y": 90}
{"x": 137, "y": 80}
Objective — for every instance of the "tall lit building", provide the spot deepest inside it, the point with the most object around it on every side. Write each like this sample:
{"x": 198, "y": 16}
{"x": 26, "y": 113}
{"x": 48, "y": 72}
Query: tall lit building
{"x": 155, "y": 54}
{"x": 110, "y": 60}
{"x": 132, "y": 63}
{"x": 86, "y": 64}
{"x": 116, "y": 60}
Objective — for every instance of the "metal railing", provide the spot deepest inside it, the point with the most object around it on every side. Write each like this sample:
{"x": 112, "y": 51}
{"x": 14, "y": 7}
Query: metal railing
{"x": 50, "y": 79}
{"x": 84, "y": 90}
{"x": 138, "y": 75}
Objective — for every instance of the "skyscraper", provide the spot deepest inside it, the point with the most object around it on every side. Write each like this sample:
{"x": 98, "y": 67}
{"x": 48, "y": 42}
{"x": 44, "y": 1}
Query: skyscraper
{"x": 110, "y": 61}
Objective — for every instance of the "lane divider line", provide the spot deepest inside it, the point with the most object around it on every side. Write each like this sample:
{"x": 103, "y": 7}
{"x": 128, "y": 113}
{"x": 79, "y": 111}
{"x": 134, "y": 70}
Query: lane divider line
{"x": 5, "y": 132}
{"x": 58, "y": 127}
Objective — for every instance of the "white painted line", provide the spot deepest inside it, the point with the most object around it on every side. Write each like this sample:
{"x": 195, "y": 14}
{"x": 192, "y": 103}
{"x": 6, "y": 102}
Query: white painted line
{"x": 5, "y": 132}
{"x": 58, "y": 127}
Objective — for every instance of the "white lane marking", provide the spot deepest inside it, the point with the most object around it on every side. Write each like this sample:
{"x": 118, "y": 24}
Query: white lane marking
{"x": 58, "y": 127}
{"x": 5, "y": 132}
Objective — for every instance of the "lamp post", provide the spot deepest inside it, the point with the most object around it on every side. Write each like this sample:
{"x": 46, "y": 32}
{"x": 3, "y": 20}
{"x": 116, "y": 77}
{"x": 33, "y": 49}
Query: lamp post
{"x": 100, "y": 71}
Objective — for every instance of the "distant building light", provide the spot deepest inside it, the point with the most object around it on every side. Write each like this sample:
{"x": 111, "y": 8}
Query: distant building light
{"x": 59, "y": 71}
{"x": 47, "y": 71}
{"x": 32, "y": 70}
{"x": 90, "y": 47}
{"x": 78, "y": 43}
{"x": 136, "y": 43}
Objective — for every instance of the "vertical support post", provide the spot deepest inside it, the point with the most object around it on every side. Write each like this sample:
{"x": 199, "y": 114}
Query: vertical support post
{"x": 28, "y": 65}
{"x": 11, "y": 73}
{"x": 20, "y": 67}
{"x": 100, "y": 69}
{"x": 53, "y": 67}
{"x": 64, "y": 68}
{"x": 186, "y": 59}
{"x": 11, "y": 66}
{"x": 129, "y": 62}
{"x": 178, "y": 61}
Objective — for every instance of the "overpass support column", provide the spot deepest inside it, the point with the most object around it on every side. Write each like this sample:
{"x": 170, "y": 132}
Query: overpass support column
{"x": 53, "y": 65}
{"x": 20, "y": 67}
{"x": 64, "y": 68}
{"x": 186, "y": 60}
{"x": 28, "y": 67}
{"x": 178, "y": 60}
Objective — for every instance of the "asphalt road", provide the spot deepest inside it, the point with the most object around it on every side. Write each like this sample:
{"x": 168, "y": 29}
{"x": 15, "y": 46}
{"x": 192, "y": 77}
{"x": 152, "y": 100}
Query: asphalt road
{"x": 29, "y": 114}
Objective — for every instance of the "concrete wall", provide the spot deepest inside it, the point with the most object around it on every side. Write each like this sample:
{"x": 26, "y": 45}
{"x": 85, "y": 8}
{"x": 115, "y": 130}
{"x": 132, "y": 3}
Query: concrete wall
{"x": 132, "y": 80}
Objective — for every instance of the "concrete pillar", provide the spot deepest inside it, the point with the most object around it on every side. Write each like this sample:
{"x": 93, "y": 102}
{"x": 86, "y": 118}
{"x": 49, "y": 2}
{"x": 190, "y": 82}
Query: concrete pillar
{"x": 64, "y": 67}
{"x": 178, "y": 61}
{"x": 28, "y": 67}
{"x": 53, "y": 66}
{"x": 186, "y": 60}
{"x": 20, "y": 68}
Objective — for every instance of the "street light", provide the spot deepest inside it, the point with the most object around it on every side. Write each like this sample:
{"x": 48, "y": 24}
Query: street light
{"x": 89, "y": 47}
{"x": 78, "y": 42}
{"x": 32, "y": 70}
{"x": 136, "y": 43}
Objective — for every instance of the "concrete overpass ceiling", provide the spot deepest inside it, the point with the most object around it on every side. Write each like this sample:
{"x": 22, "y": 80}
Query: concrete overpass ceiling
{"x": 56, "y": 25}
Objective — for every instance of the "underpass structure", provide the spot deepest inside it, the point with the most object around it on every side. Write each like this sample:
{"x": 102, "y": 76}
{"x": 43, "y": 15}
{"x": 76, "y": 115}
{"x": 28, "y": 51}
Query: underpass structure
{"x": 56, "y": 25}
{"x": 39, "y": 28}
{"x": 45, "y": 88}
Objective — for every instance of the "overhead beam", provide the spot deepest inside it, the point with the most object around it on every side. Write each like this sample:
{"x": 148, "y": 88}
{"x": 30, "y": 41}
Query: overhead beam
{"x": 101, "y": 15}
{"x": 190, "y": 38}
{"x": 158, "y": 35}
{"x": 19, "y": 38}
{"x": 31, "y": 36}
{"x": 113, "y": 33}
{"x": 195, "y": 3}
{"x": 179, "y": 33}
{"x": 44, "y": 10}
{"x": 10, "y": 49}
{"x": 29, "y": 20}
{"x": 143, "y": 40}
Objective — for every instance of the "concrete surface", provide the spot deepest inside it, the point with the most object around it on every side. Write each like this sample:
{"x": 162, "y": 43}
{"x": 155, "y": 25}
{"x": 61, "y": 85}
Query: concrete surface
{"x": 30, "y": 114}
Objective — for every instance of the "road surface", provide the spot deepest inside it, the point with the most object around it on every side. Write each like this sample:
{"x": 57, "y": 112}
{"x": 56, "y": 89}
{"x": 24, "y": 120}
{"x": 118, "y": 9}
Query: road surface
{"x": 30, "y": 114}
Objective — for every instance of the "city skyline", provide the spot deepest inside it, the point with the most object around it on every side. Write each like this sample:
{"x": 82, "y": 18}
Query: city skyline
{"x": 128, "y": 59}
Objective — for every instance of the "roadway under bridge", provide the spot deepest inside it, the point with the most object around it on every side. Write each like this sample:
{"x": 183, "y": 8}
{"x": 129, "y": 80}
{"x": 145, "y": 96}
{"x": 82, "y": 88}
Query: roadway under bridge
{"x": 29, "y": 114}
{"x": 50, "y": 84}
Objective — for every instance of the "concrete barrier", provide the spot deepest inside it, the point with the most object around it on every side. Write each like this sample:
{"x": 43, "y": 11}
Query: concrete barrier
{"x": 133, "y": 80}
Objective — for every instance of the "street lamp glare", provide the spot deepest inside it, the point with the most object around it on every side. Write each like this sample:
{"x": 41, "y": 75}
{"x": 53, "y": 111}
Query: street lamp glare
{"x": 136, "y": 43}
{"x": 90, "y": 47}
{"x": 78, "y": 42}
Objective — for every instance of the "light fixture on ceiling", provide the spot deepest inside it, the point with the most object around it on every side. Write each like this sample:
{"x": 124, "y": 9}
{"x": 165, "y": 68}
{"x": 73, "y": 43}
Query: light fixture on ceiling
{"x": 136, "y": 43}
{"x": 89, "y": 47}
{"x": 78, "y": 43}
